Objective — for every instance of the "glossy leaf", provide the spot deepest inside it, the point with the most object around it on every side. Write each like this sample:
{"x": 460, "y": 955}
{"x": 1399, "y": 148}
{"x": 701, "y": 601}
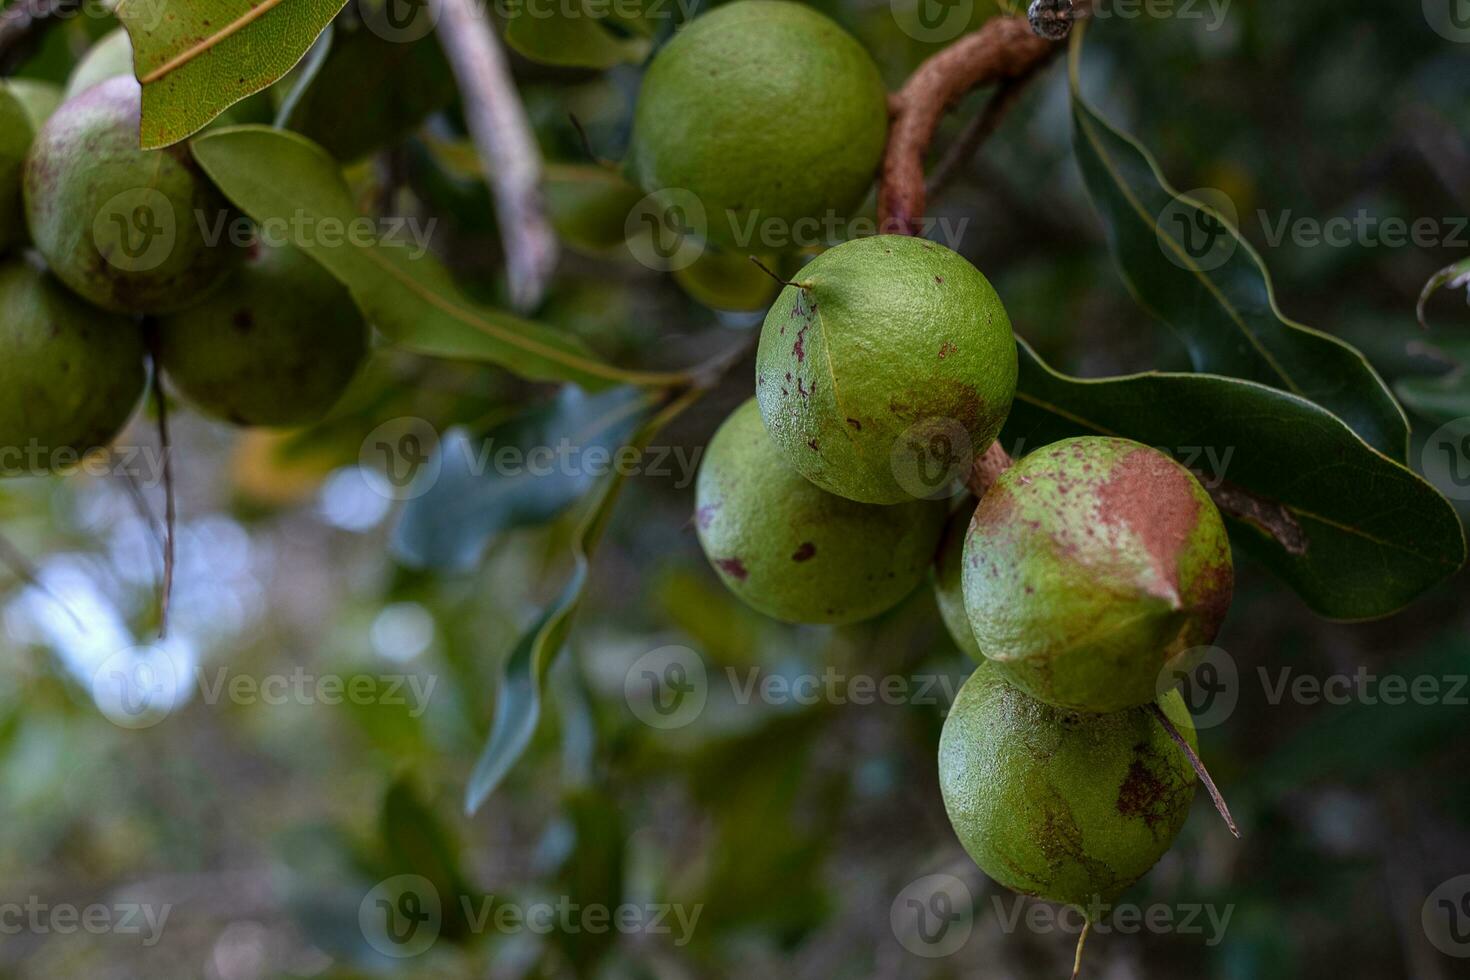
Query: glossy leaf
{"x": 292, "y": 187}
{"x": 1375, "y": 534}
{"x": 515, "y": 476}
{"x": 1443, "y": 398}
{"x": 519, "y": 693}
{"x": 197, "y": 59}
{"x": 576, "y": 33}
{"x": 1189, "y": 266}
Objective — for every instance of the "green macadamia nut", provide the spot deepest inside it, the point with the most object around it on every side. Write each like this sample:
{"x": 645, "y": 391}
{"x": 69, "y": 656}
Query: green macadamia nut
{"x": 126, "y": 229}
{"x": 949, "y": 593}
{"x": 1067, "y": 807}
{"x": 794, "y": 551}
{"x": 276, "y": 345}
{"x": 764, "y": 112}
{"x": 1090, "y": 565}
{"x": 25, "y": 105}
{"x": 893, "y": 358}
{"x": 70, "y": 375}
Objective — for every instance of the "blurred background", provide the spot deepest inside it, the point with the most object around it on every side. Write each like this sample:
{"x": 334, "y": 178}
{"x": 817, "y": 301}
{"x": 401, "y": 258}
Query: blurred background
{"x": 312, "y": 722}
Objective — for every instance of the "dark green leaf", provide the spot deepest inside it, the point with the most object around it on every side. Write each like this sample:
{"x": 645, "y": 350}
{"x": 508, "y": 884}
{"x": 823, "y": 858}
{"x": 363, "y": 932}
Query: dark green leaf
{"x": 575, "y": 33}
{"x": 1375, "y": 534}
{"x": 415, "y": 842}
{"x": 1443, "y": 398}
{"x": 369, "y": 92}
{"x": 589, "y": 205}
{"x": 289, "y": 184}
{"x": 1189, "y": 266}
{"x": 591, "y": 874}
{"x": 517, "y": 475}
{"x": 195, "y": 60}
{"x": 518, "y": 696}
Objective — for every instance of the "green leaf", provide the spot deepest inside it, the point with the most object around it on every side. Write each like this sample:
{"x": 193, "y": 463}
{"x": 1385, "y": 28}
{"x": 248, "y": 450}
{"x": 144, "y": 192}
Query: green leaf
{"x": 1188, "y": 265}
{"x": 1456, "y": 276}
{"x": 416, "y": 842}
{"x": 197, "y": 59}
{"x": 518, "y": 696}
{"x": 1443, "y": 398}
{"x": 592, "y": 872}
{"x": 370, "y": 92}
{"x": 1373, "y": 534}
{"x": 576, "y": 33}
{"x": 292, "y": 188}
{"x": 476, "y": 496}
{"x": 589, "y": 205}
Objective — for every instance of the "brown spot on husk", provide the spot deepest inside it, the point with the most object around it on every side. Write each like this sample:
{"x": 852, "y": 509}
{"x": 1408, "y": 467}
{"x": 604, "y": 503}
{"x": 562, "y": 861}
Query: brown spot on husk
{"x": 1152, "y": 495}
{"x": 733, "y": 567}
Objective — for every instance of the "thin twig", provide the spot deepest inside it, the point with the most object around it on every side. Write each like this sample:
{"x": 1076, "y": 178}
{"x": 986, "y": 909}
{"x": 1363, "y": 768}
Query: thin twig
{"x": 1081, "y": 941}
{"x": 508, "y": 152}
{"x": 1199, "y": 767}
{"x": 24, "y": 23}
{"x": 24, "y": 569}
{"x": 170, "y": 512}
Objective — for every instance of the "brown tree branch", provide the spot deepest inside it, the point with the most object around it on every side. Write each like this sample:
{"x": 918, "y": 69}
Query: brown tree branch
{"x": 1005, "y": 51}
{"x": 508, "y": 151}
